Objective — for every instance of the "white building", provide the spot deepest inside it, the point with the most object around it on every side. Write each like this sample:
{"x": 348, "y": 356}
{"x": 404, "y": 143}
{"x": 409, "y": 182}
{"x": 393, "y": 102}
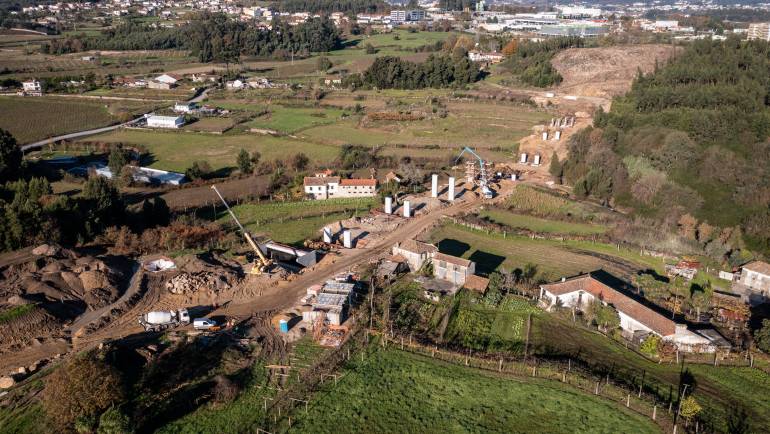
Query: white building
{"x": 759, "y": 31}
{"x": 32, "y": 87}
{"x": 636, "y": 320}
{"x": 156, "y": 121}
{"x": 452, "y": 268}
{"x": 415, "y": 253}
{"x": 578, "y": 12}
{"x": 479, "y": 56}
{"x": 168, "y": 79}
{"x": 184, "y": 107}
{"x": 325, "y": 187}
{"x": 754, "y": 282}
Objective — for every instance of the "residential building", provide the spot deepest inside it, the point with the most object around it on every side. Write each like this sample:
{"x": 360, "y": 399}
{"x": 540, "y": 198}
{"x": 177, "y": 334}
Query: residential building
{"x": 415, "y": 253}
{"x": 759, "y": 31}
{"x": 319, "y": 187}
{"x": 152, "y": 84}
{"x": 452, "y": 269}
{"x": 755, "y": 280}
{"x": 184, "y": 107}
{"x": 476, "y": 283}
{"x": 637, "y": 321}
{"x": 235, "y": 84}
{"x": 325, "y": 187}
{"x": 411, "y": 15}
{"x": 156, "y": 121}
{"x": 490, "y": 58}
{"x": 32, "y": 87}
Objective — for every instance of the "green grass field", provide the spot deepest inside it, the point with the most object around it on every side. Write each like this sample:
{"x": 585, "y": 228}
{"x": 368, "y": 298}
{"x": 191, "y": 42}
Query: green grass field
{"x": 291, "y": 119}
{"x": 294, "y": 222}
{"x": 543, "y": 203}
{"x": 172, "y": 150}
{"x": 554, "y": 259}
{"x": 537, "y": 224}
{"x": 393, "y": 391}
{"x": 35, "y": 118}
{"x": 15, "y": 312}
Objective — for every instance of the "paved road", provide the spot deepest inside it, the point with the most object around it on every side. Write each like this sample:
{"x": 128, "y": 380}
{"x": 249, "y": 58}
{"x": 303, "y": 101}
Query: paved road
{"x": 24, "y": 148}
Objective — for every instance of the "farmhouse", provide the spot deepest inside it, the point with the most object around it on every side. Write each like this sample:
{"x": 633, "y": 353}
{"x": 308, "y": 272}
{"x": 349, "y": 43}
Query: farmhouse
{"x": 415, "y": 253}
{"x": 636, "y": 320}
{"x": 325, "y": 187}
{"x": 452, "y": 269}
{"x": 156, "y": 121}
{"x": 184, "y": 107}
{"x": 170, "y": 79}
{"x": 32, "y": 87}
{"x": 489, "y": 58}
{"x": 754, "y": 281}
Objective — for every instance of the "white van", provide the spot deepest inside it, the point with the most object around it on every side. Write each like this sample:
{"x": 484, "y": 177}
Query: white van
{"x": 204, "y": 323}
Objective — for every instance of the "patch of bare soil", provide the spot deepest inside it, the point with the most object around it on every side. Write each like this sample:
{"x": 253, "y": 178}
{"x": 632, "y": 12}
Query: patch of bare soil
{"x": 61, "y": 284}
{"x": 607, "y": 71}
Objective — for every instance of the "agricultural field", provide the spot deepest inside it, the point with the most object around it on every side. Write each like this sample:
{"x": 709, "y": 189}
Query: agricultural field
{"x": 176, "y": 151}
{"x": 211, "y": 125}
{"x": 294, "y": 222}
{"x": 291, "y": 119}
{"x": 536, "y": 224}
{"x": 397, "y": 391}
{"x": 399, "y": 38}
{"x": 537, "y": 201}
{"x": 33, "y": 118}
{"x": 553, "y": 259}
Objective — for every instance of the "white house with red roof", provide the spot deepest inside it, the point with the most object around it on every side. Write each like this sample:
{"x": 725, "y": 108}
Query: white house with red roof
{"x": 636, "y": 319}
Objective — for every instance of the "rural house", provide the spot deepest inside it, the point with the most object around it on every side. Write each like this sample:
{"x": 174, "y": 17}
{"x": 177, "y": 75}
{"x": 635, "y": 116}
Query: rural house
{"x": 452, "y": 268}
{"x": 184, "y": 107}
{"x": 754, "y": 282}
{"x": 415, "y": 253}
{"x": 636, "y": 320}
{"x": 32, "y": 87}
{"x": 326, "y": 187}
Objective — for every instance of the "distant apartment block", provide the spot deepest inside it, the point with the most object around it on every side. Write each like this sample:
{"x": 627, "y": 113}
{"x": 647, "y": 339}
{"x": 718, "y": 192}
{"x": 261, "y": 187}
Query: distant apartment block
{"x": 759, "y": 31}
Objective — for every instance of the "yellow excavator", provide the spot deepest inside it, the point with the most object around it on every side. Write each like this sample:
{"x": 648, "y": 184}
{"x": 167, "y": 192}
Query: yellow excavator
{"x": 261, "y": 264}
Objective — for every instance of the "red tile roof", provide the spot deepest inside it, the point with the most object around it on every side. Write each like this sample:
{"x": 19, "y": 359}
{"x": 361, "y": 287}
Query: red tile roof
{"x": 621, "y": 302}
{"x": 759, "y": 267}
{"x": 476, "y": 283}
{"x": 452, "y": 259}
{"x": 360, "y": 182}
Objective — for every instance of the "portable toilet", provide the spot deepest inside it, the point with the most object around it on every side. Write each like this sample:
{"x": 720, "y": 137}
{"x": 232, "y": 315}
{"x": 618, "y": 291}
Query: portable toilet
{"x": 284, "y": 325}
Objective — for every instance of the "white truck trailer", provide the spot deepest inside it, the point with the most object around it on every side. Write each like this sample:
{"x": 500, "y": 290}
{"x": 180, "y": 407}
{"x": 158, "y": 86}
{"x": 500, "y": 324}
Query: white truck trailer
{"x": 161, "y": 320}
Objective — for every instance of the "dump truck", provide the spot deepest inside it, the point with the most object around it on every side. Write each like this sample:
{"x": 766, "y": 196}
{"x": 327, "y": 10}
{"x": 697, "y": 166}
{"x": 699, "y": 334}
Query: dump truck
{"x": 161, "y": 320}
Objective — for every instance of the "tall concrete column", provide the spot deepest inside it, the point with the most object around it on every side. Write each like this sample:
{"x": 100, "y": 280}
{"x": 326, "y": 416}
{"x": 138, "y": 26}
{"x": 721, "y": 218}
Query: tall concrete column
{"x": 434, "y": 185}
{"x": 407, "y": 209}
{"x": 388, "y": 205}
{"x": 346, "y": 239}
{"x": 451, "y": 189}
{"x": 327, "y": 235}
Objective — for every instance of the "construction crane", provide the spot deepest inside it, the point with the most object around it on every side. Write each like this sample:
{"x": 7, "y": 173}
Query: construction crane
{"x": 483, "y": 180}
{"x": 261, "y": 263}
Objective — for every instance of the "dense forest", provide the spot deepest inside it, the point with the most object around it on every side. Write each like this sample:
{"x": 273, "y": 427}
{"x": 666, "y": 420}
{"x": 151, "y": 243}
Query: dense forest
{"x": 211, "y": 37}
{"x": 438, "y": 71}
{"x": 329, "y": 6}
{"x": 531, "y": 61}
{"x": 687, "y": 145}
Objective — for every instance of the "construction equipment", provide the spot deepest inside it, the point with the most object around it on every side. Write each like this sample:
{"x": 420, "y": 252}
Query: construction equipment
{"x": 161, "y": 320}
{"x": 261, "y": 263}
{"x": 481, "y": 178}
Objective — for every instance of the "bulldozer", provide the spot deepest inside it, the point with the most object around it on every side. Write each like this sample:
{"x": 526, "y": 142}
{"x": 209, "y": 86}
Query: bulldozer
{"x": 261, "y": 264}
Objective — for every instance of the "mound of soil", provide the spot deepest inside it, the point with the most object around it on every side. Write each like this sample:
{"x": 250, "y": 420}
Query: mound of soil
{"x": 607, "y": 71}
{"x": 204, "y": 273}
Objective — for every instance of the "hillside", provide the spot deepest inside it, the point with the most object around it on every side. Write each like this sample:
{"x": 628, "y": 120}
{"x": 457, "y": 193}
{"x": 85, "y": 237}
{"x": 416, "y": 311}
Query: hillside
{"x": 687, "y": 139}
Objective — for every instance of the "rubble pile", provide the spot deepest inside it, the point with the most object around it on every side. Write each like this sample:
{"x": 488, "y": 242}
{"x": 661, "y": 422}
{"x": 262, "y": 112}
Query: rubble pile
{"x": 186, "y": 283}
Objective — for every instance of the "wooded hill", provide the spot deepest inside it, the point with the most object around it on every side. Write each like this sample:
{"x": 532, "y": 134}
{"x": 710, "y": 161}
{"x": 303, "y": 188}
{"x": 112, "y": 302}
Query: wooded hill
{"x": 689, "y": 139}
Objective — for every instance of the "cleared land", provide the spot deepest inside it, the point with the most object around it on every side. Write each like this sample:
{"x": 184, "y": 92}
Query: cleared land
{"x": 291, "y": 119}
{"x": 396, "y": 391}
{"x": 607, "y": 71}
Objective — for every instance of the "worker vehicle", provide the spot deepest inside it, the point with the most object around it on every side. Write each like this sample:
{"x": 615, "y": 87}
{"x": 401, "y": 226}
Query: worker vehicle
{"x": 164, "y": 319}
{"x": 261, "y": 264}
{"x": 483, "y": 179}
{"x": 205, "y": 324}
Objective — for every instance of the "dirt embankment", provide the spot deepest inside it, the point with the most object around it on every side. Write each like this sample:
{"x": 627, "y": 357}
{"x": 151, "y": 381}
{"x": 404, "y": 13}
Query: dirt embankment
{"x": 607, "y": 71}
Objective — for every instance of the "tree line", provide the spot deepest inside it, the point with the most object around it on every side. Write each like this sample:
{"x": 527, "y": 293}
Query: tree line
{"x": 329, "y": 6}
{"x": 438, "y": 71}
{"x": 211, "y": 37}
{"x": 687, "y": 139}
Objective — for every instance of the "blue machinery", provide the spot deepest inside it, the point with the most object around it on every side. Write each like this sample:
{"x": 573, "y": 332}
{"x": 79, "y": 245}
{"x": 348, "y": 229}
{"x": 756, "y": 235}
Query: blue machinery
{"x": 481, "y": 178}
